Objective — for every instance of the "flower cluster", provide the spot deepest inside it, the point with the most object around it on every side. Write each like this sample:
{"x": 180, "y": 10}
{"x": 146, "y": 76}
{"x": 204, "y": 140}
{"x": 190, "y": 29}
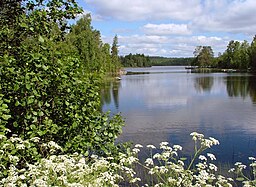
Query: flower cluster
{"x": 164, "y": 167}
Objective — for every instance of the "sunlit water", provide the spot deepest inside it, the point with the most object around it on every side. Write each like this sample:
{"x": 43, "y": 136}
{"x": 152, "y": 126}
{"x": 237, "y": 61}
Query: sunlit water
{"x": 168, "y": 103}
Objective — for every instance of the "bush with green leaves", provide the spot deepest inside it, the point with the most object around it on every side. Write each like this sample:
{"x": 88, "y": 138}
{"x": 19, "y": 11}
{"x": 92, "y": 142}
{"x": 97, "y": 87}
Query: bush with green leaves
{"x": 45, "y": 91}
{"x": 54, "y": 98}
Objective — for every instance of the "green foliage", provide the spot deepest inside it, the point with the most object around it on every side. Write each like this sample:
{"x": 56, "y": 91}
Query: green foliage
{"x": 50, "y": 83}
{"x": 236, "y": 56}
{"x": 92, "y": 51}
{"x": 114, "y": 54}
{"x": 164, "y": 61}
{"x": 137, "y": 60}
{"x": 252, "y": 54}
{"x": 203, "y": 56}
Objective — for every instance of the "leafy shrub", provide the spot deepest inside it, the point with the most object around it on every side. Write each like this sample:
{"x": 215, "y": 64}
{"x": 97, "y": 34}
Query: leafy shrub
{"x": 45, "y": 91}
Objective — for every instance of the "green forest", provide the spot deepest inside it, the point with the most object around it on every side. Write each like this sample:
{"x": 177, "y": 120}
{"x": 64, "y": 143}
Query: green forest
{"x": 238, "y": 55}
{"x": 50, "y": 76}
{"x": 137, "y": 60}
{"x": 52, "y": 129}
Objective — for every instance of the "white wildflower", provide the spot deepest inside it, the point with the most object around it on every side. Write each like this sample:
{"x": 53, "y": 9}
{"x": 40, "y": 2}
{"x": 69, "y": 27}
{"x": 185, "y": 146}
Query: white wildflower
{"x": 252, "y": 158}
{"x": 22, "y": 177}
{"x": 158, "y": 185}
{"x": 231, "y": 170}
{"x": 94, "y": 156}
{"x": 171, "y": 180}
{"x": 202, "y": 157}
{"x": 201, "y": 166}
{"x": 238, "y": 163}
{"x": 138, "y": 146}
{"x": 211, "y": 156}
{"x": 35, "y": 139}
{"x": 110, "y": 158}
{"x": 149, "y": 162}
{"x": 166, "y": 155}
{"x": 163, "y": 169}
{"x": 2, "y": 137}
{"x": 180, "y": 162}
{"x": 213, "y": 167}
{"x": 174, "y": 153}
{"x": 157, "y": 156}
{"x": 163, "y": 144}
{"x": 135, "y": 150}
{"x": 13, "y": 158}
{"x": 177, "y": 147}
{"x": 214, "y": 141}
{"x": 135, "y": 180}
{"x": 253, "y": 164}
{"x": 151, "y": 147}
{"x": 196, "y": 136}
{"x": 242, "y": 166}
{"x": 20, "y": 146}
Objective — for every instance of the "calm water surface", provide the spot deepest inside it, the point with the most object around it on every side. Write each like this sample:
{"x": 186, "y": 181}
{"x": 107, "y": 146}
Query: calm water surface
{"x": 168, "y": 103}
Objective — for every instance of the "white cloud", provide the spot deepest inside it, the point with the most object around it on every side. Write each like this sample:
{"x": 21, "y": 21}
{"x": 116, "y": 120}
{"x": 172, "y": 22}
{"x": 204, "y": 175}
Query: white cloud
{"x": 175, "y": 27}
{"x": 181, "y": 46}
{"x": 237, "y": 16}
{"x": 95, "y": 17}
{"x": 146, "y": 9}
{"x": 166, "y": 29}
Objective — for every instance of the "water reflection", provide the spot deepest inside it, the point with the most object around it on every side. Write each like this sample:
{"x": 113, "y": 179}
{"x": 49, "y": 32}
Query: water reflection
{"x": 241, "y": 86}
{"x": 109, "y": 92}
{"x": 203, "y": 84}
{"x": 169, "y": 106}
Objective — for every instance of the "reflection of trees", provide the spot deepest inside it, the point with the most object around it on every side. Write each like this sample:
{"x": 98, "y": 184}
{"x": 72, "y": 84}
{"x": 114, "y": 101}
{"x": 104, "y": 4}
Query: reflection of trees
{"x": 242, "y": 86}
{"x": 115, "y": 92}
{"x": 252, "y": 88}
{"x": 105, "y": 93}
{"x": 237, "y": 86}
{"x": 203, "y": 83}
{"x": 110, "y": 89}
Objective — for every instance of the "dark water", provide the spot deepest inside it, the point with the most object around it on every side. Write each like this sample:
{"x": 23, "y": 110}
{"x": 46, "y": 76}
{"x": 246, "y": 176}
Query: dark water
{"x": 168, "y": 103}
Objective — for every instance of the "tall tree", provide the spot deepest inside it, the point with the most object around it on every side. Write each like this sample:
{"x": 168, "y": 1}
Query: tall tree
{"x": 203, "y": 56}
{"x": 253, "y": 54}
{"x": 236, "y": 55}
{"x": 114, "y": 53}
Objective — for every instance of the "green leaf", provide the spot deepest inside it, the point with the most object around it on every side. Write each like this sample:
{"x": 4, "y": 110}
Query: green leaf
{"x": 40, "y": 113}
{"x": 86, "y": 153}
{"x": 17, "y": 103}
{"x": 23, "y": 25}
{"x": 6, "y": 117}
{"x": 240, "y": 179}
{"x": 183, "y": 158}
{"x": 28, "y": 86}
{"x": 15, "y": 124}
{"x": 97, "y": 139}
{"x": 41, "y": 39}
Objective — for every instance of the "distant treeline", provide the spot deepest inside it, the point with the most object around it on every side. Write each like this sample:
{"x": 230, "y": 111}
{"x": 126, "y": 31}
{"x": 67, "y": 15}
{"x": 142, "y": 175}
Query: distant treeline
{"x": 164, "y": 61}
{"x": 137, "y": 60}
{"x": 140, "y": 60}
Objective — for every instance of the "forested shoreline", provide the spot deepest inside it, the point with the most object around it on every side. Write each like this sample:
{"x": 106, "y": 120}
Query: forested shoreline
{"x": 238, "y": 56}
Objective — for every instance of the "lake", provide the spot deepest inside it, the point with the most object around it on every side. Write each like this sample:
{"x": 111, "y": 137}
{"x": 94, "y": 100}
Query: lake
{"x": 168, "y": 103}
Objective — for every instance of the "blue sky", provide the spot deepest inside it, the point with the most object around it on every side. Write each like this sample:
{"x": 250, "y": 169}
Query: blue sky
{"x": 172, "y": 28}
